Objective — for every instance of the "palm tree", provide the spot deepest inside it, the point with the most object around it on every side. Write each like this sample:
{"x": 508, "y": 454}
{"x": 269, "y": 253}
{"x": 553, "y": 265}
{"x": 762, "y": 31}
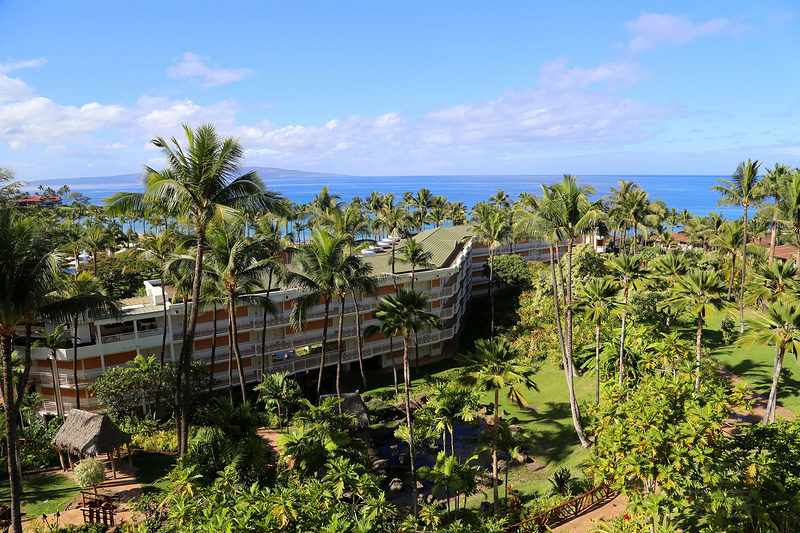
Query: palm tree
{"x": 491, "y": 228}
{"x": 701, "y": 293}
{"x": 404, "y": 315}
{"x": 95, "y": 238}
{"x": 598, "y": 298}
{"x": 790, "y": 207}
{"x": 773, "y": 184}
{"x": 279, "y": 389}
{"x": 323, "y": 265}
{"x": 742, "y": 189}
{"x": 88, "y": 289}
{"x": 413, "y": 253}
{"x": 779, "y": 325}
{"x": 201, "y": 183}
{"x": 629, "y": 274}
{"x": 53, "y": 342}
{"x": 728, "y": 241}
{"x": 492, "y": 367}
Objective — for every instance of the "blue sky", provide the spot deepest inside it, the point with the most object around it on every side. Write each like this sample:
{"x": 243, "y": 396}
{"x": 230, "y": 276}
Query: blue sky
{"x": 394, "y": 88}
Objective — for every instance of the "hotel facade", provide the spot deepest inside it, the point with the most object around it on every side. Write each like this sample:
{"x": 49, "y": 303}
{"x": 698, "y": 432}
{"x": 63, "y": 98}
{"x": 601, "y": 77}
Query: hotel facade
{"x": 456, "y": 277}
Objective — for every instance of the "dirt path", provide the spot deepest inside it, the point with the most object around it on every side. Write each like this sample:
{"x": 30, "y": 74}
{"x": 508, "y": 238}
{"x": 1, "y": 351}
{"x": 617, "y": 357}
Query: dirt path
{"x": 123, "y": 489}
{"x": 732, "y": 426}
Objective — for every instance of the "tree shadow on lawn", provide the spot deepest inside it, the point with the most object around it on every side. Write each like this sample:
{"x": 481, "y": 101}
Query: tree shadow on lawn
{"x": 552, "y": 430}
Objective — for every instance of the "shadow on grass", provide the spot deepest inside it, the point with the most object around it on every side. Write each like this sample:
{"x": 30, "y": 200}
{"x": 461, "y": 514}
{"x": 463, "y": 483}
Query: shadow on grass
{"x": 43, "y": 494}
{"x": 552, "y": 429}
{"x": 151, "y": 468}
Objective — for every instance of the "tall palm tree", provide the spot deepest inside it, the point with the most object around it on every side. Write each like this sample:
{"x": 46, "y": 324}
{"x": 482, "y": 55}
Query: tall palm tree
{"x": 629, "y": 274}
{"x": 492, "y": 367}
{"x": 701, "y": 293}
{"x": 414, "y": 253}
{"x": 790, "y": 207}
{"x": 728, "y": 242}
{"x": 742, "y": 189}
{"x": 779, "y": 325}
{"x": 323, "y": 265}
{"x": 86, "y": 288}
{"x": 598, "y": 299}
{"x": 773, "y": 184}
{"x": 201, "y": 183}
{"x": 95, "y": 237}
{"x": 404, "y": 315}
{"x": 357, "y": 280}
{"x": 492, "y": 229}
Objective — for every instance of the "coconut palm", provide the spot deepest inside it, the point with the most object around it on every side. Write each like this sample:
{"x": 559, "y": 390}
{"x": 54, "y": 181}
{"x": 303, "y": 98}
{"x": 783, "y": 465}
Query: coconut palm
{"x": 629, "y": 274}
{"x": 598, "y": 299}
{"x": 778, "y": 325}
{"x": 790, "y": 207}
{"x": 404, "y": 315}
{"x": 492, "y": 229}
{"x": 701, "y": 293}
{"x": 492, "y": 367}
{"x": 201, "y": 183}
{"x": 742, "y": 189}
{"x": 773, "y": 184}
{"x": 413, "y": 253}
{"x": 323, "y": 265}
{"x": 95, "y": 238}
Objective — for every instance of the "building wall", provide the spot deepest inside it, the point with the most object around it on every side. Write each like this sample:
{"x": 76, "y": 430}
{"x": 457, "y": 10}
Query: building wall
{"x": 448, "y": 289}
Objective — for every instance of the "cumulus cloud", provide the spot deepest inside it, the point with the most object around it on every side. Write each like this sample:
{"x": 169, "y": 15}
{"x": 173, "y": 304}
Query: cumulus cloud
{"x": 196, "y": 68}
{"x": 652, "y": 29}
{"x": 14, "y": 89}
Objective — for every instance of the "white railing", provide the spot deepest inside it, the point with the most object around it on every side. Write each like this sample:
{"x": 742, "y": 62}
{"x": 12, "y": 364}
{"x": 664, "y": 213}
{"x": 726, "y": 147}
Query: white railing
{"x": 105, "y": 339}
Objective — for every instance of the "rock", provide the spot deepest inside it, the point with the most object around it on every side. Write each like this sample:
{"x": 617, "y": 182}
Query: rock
{"x": 381, "y": 465}
{"x": 396, "y": 485}
{"x": 433, "y": 448}
{"x": 394, "y": 447}
{"x": 529, "y": 407}
{"x": 403, "y": 459}
{"x": 520, "y": 457}
{"x": 486, "y": 507}
{"x": 535, "y": 466}
{"x": 419, "y": 485}
{"x": 501, "y": 464}
{"x": 430, "y": 499}
{"x": 513, "y": 429}
{"x": 512, "y": 420}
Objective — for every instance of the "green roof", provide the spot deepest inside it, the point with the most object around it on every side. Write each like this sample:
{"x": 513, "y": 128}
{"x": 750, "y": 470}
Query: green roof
{"x": 444, "y": 245}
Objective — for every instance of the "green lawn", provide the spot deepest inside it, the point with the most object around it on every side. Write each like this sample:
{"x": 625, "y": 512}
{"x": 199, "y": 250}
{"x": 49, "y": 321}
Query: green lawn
{"x": 151, "y": 469}
{"x": 754, "y": 365}
{"x": 43, "y": 494}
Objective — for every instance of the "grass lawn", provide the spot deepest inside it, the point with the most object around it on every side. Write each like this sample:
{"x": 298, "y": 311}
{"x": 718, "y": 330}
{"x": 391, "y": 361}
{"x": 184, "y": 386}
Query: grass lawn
{"x": 754, "y": 365}
{"x": 152, "y": 467}
{"x": 43, "y": 494}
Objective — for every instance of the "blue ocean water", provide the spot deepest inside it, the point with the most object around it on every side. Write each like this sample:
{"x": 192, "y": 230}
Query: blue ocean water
{"x": 681, "y": 192}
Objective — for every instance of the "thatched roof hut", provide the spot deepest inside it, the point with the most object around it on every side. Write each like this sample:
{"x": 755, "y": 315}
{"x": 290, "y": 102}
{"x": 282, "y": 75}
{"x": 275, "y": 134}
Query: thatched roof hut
{"x": 352, "y": 404}
{"x": 89, "y": 434}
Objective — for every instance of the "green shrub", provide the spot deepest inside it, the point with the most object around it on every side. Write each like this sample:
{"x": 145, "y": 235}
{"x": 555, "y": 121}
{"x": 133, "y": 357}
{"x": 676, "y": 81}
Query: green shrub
{"x": 89, "y": 473}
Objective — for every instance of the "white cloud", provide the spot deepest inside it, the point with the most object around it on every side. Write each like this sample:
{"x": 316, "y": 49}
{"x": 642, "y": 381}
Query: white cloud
{"x": 555, "y": 75}
{"x": 14, "y": 89}
{"x": 195, "y": 67}
{"x": 652, "y": 29}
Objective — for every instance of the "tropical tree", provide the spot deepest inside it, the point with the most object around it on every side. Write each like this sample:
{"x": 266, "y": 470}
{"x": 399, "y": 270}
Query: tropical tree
{"x": 778, "y": 325}
{"x": 728, "y": 241}
{"x": 628, "y": 274}
{"x": 413, "y": 253}
{"x": 323, "y": 266}
{"x": 53, "y": 342}
{"x": 742, "y": 189}
{"x": 492, "y": 367}
{"x": 701, "y": 293}
{"x": 492, "y": 229}
{"x": 281, "y": 390}
{"x": 790, "y": 208}
{"x": 201, "y": 183}
{"x": 773, "y": 184}
{"x": 598, "y": 299}
{"x": 404, "y": 315}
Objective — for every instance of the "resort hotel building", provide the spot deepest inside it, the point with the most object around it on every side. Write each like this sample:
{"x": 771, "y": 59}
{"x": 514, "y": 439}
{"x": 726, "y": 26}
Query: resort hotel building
{"x": 456, "y": 276}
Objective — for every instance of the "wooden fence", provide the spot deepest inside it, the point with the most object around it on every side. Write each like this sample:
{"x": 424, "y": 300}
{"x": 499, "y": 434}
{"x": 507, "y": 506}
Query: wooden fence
{"x": 566, "y": 511}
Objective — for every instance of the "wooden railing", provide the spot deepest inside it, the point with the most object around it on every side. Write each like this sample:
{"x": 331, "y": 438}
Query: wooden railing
{"x": 97, "y": 509}
{"x": 566, "y": 511}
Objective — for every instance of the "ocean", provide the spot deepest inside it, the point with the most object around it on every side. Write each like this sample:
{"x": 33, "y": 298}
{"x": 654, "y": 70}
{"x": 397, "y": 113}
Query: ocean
{"x": 681, "y": 192}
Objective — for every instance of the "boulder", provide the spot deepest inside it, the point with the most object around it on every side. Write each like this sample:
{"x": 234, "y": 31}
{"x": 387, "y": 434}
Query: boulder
{"x": 501, "y": 465}
{"x": 535, "y": 466}
{"x": 486, "y": 507}
{"x": 396, "y": 485}
{"x": 381, "y": 465}
{"x": 403, "y": 459}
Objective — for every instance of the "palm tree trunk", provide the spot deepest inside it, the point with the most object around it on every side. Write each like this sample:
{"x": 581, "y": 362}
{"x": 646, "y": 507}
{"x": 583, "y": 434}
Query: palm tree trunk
{"x": 491, "y": 293}
{"x": 360, "y": 342}
{"x": 187, "y": 350}
{"x": 264, "y": 327}
{"x": 769, "y": 415}
{"x": 699, "y": 349}
{"x": 230, "y": 358}
{"x": 213, "y": 351}
{"x": 597, "y": 358}
{"x": 339, "y": 350}
{"x": 411, "y": 448}
{"x": 744, "y": 273}
{"x": 557, "y": 309}
{"x": 236, "y": 351}
{"x": 394, "y": 366}
{"x": 75, "y": 360}
{"x": 166, "y": 318}
{"x": 324, "y": 347}
{"x": 495, "y": 429}
{"x": 570, "y": 374}
{"x": 622, "y": 341}
{"x": 12, "y": 438}
{"x": 773, "y": 238}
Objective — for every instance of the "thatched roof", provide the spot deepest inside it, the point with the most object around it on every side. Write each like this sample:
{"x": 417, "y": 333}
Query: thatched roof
{"x": 89, "y": 434}
{"x": 352, "y": 404}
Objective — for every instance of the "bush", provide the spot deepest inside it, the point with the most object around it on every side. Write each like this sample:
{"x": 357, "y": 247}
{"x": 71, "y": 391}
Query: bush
{"x": 36, "y": 450}
{"x": 381, "y": 411}
{"x": 89, "y": 473}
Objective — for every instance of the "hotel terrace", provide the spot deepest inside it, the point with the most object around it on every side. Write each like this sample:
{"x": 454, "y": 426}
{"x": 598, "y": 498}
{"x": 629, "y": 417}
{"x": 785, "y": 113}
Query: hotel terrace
{"x": 449, "y": 286}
